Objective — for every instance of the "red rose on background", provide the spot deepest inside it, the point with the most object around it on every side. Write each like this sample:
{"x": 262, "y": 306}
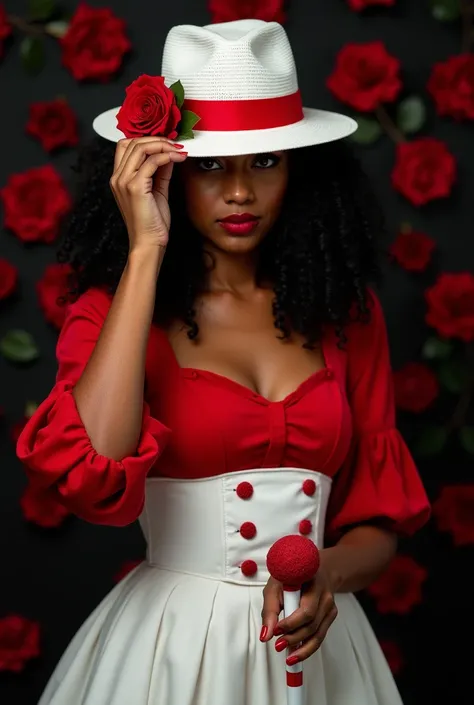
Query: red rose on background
{"x": 149, "y": 108}
{"x": 359, "y": 5}
{"x": 365, "y": 76}
{"x": 453, "y": 512}
{"x": 19, "y": 642}
{"x": 8, "y": 278}
{"x": 229, "y": 10}
{"x": 451, "y": 85}
{"x": 52, "y": 285}
{"x": 412, "y": 251}
{"x": 5, "y": 28}
{"x": 95, "y": 44}
{"x": 424, "y": 170}
{"x": 126, "y": 568}
{"x": 398, "y": 590}
{"x": 39, "y": 507}
{"x": 35, "y": 203}
{"x": 451, "y": 306}
{"x": 53, "y": 123}
{"x": 415, "y": 386}
{"x": 393, "y": 654}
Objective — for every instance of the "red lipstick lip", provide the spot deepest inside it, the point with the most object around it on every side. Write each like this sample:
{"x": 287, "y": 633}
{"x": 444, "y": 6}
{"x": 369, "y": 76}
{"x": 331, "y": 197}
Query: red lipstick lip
{"x": 239, "y": 218}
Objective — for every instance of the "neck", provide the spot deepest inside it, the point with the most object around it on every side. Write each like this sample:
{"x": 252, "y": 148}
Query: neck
{"x": 231, "y": 272}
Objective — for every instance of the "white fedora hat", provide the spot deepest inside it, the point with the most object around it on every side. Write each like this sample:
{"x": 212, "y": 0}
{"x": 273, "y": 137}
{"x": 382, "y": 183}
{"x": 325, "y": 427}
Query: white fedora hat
{"x": 240, "y": 79}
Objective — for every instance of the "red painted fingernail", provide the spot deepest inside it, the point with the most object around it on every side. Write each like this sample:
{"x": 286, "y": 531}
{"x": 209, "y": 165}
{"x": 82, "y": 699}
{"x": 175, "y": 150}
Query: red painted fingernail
{"x": 183, "y": 154}
{"x": 281, "y": 644}
{"x": 263, "y": 633}
{"x": 277, "y": 631}
{"x": 291, "y": 660}
{"x": 179, "y": 146}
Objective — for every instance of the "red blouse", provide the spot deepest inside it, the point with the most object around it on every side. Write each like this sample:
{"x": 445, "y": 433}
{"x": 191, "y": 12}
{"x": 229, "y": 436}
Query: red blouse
{"x": 340, "y": 421}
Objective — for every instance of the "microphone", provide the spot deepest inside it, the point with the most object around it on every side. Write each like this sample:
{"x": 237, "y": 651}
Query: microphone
{"x": 293, "y": 560}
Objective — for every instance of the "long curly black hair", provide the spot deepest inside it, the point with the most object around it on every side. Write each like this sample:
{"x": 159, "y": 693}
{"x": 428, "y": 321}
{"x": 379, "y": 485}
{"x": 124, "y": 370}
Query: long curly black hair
{"x": 320, "y": 256}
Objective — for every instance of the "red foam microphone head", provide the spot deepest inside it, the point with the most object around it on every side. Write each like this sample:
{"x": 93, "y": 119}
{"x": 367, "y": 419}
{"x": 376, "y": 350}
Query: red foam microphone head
{"x": 293, "y": 560}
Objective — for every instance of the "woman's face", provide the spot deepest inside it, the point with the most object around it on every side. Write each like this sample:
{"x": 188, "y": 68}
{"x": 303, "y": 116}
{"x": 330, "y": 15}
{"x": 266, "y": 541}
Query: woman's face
{"x": 234, "y": 201}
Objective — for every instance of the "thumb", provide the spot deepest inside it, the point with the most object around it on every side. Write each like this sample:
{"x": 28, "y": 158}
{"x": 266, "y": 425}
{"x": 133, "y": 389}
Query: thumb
{"x": 272, "y": 606}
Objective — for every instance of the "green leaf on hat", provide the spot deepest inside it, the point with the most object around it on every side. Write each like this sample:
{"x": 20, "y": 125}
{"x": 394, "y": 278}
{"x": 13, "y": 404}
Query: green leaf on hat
{"x": 466, "y": 437}
{"x": 431, "y": 441}
{"x": 178, "y": 90}
{"x": 41, "y": 10}
{"x": 368, "y": 131}
{"x": 437, "y": 349}
{"x": 32, "y": 54}
{"x": 453, "y": 376}
{"x": 411, "y": 114}
{"x": 19, "y": 346}
{"x": 188, "y": 120}
{"x": 445, "y": 10}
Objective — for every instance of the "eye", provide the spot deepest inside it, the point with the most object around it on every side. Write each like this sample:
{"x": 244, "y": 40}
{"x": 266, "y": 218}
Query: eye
{"x": 209, "y": 164}
{"x": 266, "y": 161}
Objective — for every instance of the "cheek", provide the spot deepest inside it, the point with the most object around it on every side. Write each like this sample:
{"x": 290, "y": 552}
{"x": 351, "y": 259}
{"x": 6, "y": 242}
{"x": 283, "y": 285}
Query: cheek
{"x": 200, "y": 200}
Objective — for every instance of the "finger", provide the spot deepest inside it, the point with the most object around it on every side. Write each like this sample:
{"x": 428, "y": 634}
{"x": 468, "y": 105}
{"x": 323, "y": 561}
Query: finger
{"x": 312, "y": 644}
{"x": 272, "y": 606}
{"x": 301, "y": 617}
{"x": 136, "y": 155}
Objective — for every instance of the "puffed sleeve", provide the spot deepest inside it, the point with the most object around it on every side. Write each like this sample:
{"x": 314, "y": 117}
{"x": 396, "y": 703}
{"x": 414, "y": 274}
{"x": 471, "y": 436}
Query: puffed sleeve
{"x": 55, "y": 448}
{"x": 378, "y": 482}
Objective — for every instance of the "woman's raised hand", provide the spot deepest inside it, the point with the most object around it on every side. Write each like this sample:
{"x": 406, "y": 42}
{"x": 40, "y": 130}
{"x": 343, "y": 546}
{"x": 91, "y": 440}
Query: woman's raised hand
{"x": 140, "y": 182}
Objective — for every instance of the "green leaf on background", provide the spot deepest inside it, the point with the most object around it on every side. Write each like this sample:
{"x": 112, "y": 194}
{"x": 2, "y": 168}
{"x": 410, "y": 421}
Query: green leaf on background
{"x": 41, "y": 10}
{"x": 431, "y": 441}
{"x": 178, "y": 90}
{"x": 452, "y": 376}
{"x": 411, "y": 114}
{"x": 188, "y": 120}
{"x": 368, "y": 131}
{"x": 19, "y": 346}
{"x": 32, "y": 54}
{"x": 437, "y": 349}
{"x": 445, "y": 10}
{"x": 30, "y": 408}
{"x": 466, "y": 437}
{"x": 57, "y": 29}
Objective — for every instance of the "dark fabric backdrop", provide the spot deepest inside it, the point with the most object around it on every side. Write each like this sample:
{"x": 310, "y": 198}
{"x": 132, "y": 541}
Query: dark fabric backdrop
{"x": 58, "y": 577}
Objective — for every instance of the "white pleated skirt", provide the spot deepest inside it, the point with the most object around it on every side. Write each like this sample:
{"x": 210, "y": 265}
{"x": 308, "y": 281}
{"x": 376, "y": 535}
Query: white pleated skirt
{"x": 187, "y": 633}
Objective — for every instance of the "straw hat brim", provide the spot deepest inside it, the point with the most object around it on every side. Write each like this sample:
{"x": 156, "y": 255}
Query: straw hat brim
{"x": 317, "y": 127}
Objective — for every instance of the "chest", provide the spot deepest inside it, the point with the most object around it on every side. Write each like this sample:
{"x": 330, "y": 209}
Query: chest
{"x": 247, "y": 349}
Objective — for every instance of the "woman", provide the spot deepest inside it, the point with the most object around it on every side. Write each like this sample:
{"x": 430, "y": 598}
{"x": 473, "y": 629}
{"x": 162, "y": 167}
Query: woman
{"x": 224, "y": 377}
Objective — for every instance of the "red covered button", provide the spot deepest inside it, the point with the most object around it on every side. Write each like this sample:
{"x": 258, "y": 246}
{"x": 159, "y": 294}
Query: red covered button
{"x": 248, "y": 530}
{"x": 305, "y": 527}
{"x": 249, "y": 568}
{"x": 244, "y": 490}
{"x": 309, "y": 487}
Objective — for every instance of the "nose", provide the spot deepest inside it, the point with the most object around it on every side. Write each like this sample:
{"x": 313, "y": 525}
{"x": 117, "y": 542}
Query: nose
{"x": 238, "y": 188}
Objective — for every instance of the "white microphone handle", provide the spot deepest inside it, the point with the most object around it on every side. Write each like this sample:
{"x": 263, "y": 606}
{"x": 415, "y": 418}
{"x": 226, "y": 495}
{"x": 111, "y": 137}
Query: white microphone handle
{"x": 291, "y": 602}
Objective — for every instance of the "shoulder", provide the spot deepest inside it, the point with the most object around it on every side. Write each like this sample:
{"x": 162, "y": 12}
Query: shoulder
{"x": 364, "y": 327}
{"x": 93, "y": 305}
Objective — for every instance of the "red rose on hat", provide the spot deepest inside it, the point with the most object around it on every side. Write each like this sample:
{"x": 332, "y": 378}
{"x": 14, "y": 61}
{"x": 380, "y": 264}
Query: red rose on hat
{"x": 149, "y": 109}
{"x": 451, "y": 306}
{"x": 365, "y": 76}
{"x": 8, "y": 278}
{"x": 19, "y": 642}
{"x": 52, "y": 285}
{"x": 54, "y": 124}
{"x": 453, "y": 512}
{"x": 95, "y": 44}
{"x": 424, "y": 170}
{"x": 35, "y": 202}
{"x": 415, "y": 387}
{"x": 451, "y": 85}
{"x": 412, "y": 251}
{"x": 5, "y": 27}
{"x": 229, "y": 10}
{"x": 41, "y": 507}
{"x": 398, "y": 590}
